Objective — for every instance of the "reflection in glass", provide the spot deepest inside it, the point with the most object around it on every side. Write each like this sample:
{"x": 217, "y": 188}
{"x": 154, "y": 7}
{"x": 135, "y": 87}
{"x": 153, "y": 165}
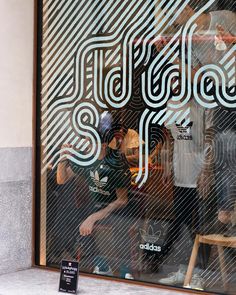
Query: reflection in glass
{"x": 138, "y": 140}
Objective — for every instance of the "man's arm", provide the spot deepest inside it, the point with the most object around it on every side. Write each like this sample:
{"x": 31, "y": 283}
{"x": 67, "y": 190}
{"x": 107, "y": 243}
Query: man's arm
{"x": 205, "y": 183}
{"x": 225, "y": 36}
{"x": 167, "y": 157}
{"x": 64, "y": 172}
{"x": 178, "y": 61}
{"x": 120, "y": 202}
{"x": 224, "y": 39}
{"x": 87, "y": 226}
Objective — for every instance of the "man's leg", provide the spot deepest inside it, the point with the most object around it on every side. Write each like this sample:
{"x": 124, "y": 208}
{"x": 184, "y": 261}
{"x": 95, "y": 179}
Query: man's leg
{"x": 195, "y": 224}
{"x": 181, "y": 214}
{"x": 225, "y": 177}
{"x": 115, "y": 242}
{"x": 182, "y": 209}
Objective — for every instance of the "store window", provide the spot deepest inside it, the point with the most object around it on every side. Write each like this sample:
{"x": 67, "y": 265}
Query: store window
{"x": 137, "y": 132}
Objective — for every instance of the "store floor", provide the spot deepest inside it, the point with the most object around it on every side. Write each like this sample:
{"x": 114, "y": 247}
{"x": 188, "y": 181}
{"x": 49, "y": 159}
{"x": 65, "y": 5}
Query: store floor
{"x": 41, "y": 282}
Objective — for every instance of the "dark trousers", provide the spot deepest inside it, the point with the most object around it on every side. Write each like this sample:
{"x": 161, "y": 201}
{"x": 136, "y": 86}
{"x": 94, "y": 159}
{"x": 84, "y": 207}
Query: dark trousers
{"x": 111, "y": 236}
{"x": 187, "y": 211}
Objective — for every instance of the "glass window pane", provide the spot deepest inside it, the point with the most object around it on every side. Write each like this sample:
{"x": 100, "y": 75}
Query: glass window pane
{"x": 138, "y": 140}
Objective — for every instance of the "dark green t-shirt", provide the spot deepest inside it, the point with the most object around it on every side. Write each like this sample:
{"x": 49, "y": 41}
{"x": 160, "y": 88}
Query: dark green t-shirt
{"x": 104, "y": 177}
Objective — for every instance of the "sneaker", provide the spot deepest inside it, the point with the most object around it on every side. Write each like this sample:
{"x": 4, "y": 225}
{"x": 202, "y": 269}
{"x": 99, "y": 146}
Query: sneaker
{"x": 173, "y": 278}
{"x": 125, "y": 272}
{"x": 128, "y": 276}
{"x": 97, "y": 270}
{"x": 197, "y": 282}
{"x": 102, "y": 266}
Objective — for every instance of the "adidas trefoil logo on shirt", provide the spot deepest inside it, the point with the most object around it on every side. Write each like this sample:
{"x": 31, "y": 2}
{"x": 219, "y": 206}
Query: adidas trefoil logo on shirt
{"x": 100, "y": 183}
{"x": 96, "y": 179}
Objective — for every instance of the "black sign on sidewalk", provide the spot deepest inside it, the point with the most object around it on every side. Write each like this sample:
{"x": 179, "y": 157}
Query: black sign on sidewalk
{"x": 69, "y": 277}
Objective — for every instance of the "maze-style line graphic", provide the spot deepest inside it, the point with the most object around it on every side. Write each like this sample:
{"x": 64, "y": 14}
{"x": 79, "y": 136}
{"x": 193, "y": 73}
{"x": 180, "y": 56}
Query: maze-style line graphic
{"x": 103, "y": 57}
{"x": 120, "y": 26}
{"x": 90, "y": 51}
{"x": 222, "y": 75}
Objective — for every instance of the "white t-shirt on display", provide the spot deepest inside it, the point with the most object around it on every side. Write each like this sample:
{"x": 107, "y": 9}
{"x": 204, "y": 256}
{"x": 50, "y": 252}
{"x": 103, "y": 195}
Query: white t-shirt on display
{"x": 188, "y": 155}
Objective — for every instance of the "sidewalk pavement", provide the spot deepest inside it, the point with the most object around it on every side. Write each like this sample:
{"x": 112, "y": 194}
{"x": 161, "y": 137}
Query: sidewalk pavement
{"x": 42, "y": 282}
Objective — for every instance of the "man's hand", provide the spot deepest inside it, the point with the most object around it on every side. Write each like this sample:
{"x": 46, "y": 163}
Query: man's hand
{"x": 161, "y": 43}
{"x": 65, "y": 149}
{"x": 224, "y": 216}
{"x": 87, "y": 226}
{"x": 167, "y": 160}
{"x": 166, "y": 175}
{"x": 224, "y": 36}
{"x": 64, "y": 172}
{"x": 205, "y": 184}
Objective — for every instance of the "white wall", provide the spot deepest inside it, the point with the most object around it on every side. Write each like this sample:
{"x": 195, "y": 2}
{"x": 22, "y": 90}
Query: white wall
{"x": 16, "y": 74}
{"x": 16, "y": 97}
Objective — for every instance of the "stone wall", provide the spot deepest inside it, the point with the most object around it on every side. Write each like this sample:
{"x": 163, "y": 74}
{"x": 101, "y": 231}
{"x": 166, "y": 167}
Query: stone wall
{"x": 16, "y": 85}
